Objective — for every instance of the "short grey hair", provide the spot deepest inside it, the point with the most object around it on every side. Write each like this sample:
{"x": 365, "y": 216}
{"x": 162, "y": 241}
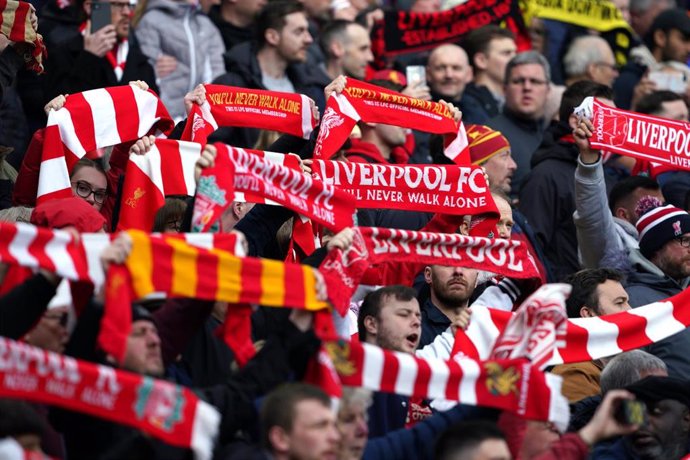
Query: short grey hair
{"x": 582, "y": 52}
{"x": 356, "y": 395}
{"x": 627, "y": 368}
{"x": 528, "y": 57}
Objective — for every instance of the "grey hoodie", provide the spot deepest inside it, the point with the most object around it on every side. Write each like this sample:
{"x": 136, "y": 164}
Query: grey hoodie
{"x": 181, "y": 30}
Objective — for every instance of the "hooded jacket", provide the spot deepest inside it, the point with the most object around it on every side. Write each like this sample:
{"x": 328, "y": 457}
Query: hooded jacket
{"x": 180, "y": 30}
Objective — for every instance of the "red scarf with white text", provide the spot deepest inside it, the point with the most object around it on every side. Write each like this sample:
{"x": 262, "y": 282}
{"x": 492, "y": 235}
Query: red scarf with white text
{"x": 249, "y": 108}
{"x": 168, "y": 412}
{"x": 344, "y": 270}
{"x": 373, "y": 104}
{"x": 644, "y": 137}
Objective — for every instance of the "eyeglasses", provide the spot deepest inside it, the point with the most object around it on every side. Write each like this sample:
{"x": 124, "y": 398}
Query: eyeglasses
{"x": 520, "y": 81}
{"x": 606, "y": 64}
{"x": 121, "y": 5}
{"x": 84, "y": 190}
{"x": 62, "y": 318}
{"x": 684, "y": 241}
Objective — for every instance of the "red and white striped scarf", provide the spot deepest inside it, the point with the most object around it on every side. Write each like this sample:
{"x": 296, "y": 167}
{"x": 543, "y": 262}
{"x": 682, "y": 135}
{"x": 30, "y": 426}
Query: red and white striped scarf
{"x": 15, "y": 24}
{"x": 34, "y": 247}
{"x": 95, "y": 119}
{"x": 515, "y": 385}
{"x": 373, "y": 104}
{"x": 585, "y": 339}
{"x": 168, "y": 412}
{"x": 250, "y": 108}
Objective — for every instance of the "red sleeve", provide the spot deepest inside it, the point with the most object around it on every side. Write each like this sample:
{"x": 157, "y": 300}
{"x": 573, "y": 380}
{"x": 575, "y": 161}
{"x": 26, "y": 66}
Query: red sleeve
{"x": 569, "y": 447}
{"x": 118, "y": 164}
{"x": 26, "y": 187}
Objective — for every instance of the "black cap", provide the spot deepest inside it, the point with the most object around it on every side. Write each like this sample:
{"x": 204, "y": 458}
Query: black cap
{"x": 655, "y": 388}
{"x": 141, "y": 313}
{"x": 674, "y": 18}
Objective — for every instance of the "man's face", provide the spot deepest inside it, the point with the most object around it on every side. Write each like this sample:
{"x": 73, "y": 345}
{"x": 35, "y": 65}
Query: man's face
{"x": 50, "y": 333}
{"x": 314, "y": 435}
{"x": 500, "y": 51}
{"x": 143, "y": 354}
{"x": 605, "y": 71}
{"x": 641, "y": 21}
{"x": 500, "y": 169}
{"x": 450, "y": 286}
{"x": 353, "y": 428}
{"x": 505, "y": 220}
{"x": 448, "y": 71}
{"x": 612, "y": 298}
{"x": 398, "y": 326}
{"x": 674, "y": 110}
{"x": 676, "y": 47}
{"x": 294, "y": 38}
{"x": 526, "y": 91}
{"x": 665, "y": 435}
{"x": 357, "y": 52}
{"x": 674, "y": 259}
{"x": 121, "y": 12}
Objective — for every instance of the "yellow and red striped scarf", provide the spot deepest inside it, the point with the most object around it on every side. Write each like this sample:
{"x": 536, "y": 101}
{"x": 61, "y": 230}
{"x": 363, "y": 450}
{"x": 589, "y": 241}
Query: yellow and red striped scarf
{"x": 15, "y": 24}
{"x": 180, "y": 270}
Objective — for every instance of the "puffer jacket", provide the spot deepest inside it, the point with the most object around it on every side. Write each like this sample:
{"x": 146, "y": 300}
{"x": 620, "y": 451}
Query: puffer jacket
{"x": 182, "y": 31}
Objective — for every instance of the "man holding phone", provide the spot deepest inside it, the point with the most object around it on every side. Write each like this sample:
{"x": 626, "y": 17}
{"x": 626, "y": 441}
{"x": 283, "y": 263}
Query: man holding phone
{"x": 104, "y": 54}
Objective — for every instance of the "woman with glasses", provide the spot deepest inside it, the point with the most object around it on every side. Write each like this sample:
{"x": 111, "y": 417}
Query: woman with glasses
{"x": 89, "y": 182}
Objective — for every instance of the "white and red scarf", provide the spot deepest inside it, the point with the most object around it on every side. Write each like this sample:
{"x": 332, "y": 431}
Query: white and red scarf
{"x": 117, "y": 57}
{"x": 15, "y": 24}
{"x": 249, "y": 108}
{"x": 515, "y": 385}
{"x": 343, "y": 270}
{"x": 460, "y": 190}
{"x": 168, "y": 412}
{"x": 373, "y": 104}
{"x": 664, "y": 142}
{"x": 251, "y": 173}
{"x": 91, "y": 120}
{"x": 585, "y": 339}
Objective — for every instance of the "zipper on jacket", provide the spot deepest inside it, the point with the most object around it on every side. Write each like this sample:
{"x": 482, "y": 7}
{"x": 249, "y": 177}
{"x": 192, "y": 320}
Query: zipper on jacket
{"x": 192, "y": 49}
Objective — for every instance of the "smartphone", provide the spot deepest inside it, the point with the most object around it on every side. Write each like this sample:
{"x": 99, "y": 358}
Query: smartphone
{"x": 669, "y": 81}
{"x": 100, "y": 15}
{"x": 631, "y": 412}
{"x": 415, "y": 74}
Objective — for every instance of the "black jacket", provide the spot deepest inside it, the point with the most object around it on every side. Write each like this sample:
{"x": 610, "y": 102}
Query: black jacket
{"x": 231, "y": 34}
{"x": 551, "y": 184}
{"x": 483, "y": 104}
{"x": 244, "y": 71}
{"x": 71, "y": 69}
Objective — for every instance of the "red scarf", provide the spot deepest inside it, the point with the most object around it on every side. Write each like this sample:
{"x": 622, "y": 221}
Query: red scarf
{"x": 373, "y": 104}
{"x": 344, "y": 270}
{"x": 158, "y": 408}
{"x": 314, "y": 199}
{"x": 178, "y": 269}
{"x": 645, "y": 137}
{"x": 15, "y": 24}
{"x": 91, "y": 120}
{"x": 428, "y": 188}
{"x": 249, "y": 108}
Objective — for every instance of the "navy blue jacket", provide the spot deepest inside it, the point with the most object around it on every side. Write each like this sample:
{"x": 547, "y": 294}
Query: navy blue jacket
{"x": 434, "y": 322}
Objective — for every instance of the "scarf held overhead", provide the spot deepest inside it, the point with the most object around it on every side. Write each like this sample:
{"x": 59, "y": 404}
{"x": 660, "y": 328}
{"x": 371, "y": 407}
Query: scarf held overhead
{"x": 343, "y": 270}
{"x": 165, "y": 411}
{"x": 249, "y": 108}
{"x": 180, "y": 270}
{"x": 449, "y": 189}
{"x": 91, "y": 120}
{"x": 15, "y": 24}
{"x": 585, "y": 339}
{"x": 645, "y": 137}
{"x": 373, "y": 104}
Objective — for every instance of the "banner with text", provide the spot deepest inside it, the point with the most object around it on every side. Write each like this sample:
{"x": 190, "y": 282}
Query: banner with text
{"x": 632, "y": 134}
